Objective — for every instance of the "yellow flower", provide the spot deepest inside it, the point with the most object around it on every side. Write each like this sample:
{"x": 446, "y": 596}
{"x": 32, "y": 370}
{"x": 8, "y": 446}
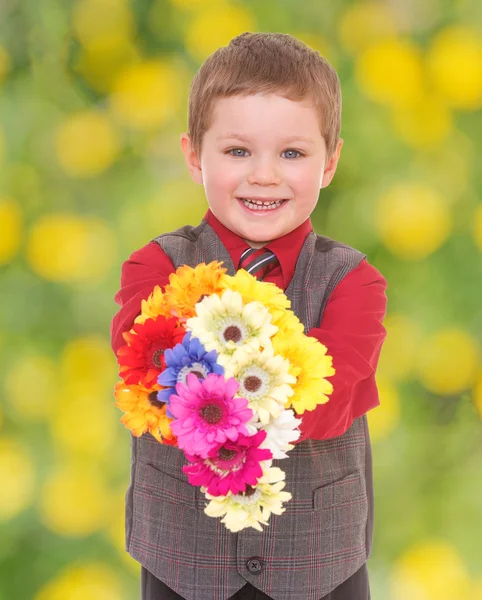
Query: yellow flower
{"x": 254, "y": 507}
{"x": 262, "y": 291}
{"x": 153, "y": 306}
{"x": 142, "y": 411}
{"x": 187, "y": 286}
{"x": 310, "y": 365}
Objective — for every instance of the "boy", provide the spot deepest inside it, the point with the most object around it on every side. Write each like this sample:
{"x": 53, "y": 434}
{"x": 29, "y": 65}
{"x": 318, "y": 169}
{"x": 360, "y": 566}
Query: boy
{"x": 264, "y": 122}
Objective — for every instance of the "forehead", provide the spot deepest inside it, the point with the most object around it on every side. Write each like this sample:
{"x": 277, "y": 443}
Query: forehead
{"x": 255, "y": 115}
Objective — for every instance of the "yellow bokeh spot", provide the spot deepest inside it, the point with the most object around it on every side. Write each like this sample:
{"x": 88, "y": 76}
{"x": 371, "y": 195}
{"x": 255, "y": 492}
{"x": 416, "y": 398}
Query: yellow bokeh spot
{"x": 215, "y": 27}
{"x": 431, "y": 569}
{"x": 92, "y": 581}
{"x": 397, "y": 357}
{"x": 17, "y": 474}
{"x": 454, "y": 63}
{"x": 86, "y": 144}
{"x": 478, "y": 226}
{"x": 178, "y": 202}
{"x": 427, "y": 123}
{"x": 71, "y": 248}
{"x": 390, "y": 72}
{"x": 365, "y": 23}
{"x": 146, "y": 95}
{"x": 413, "y": 220}
{"x": 11, "y": 229}
{"x": 92, "y": 19}
{"x": 32, "y": 402}
{"x": 477, "y": 394}
{"x": 88, "y": 364}
{"x": 383, "y": 419}
{"x": 74, "y": 500}
{"x": 475, "y": 590}
{"x": 447, "y": 361}
{"x": 4, "y": 63}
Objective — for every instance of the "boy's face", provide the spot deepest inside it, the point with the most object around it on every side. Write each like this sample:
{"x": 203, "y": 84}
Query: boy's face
{"x": 247, "y": 153}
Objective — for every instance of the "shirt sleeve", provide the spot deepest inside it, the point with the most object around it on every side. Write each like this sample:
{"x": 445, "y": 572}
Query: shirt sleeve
{"x": 351, "y": 328}
{"x": 145, "y": 268}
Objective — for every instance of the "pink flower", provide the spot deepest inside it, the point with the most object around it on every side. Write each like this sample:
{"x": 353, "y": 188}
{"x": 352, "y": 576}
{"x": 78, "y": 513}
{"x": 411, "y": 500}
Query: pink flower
{"x": 229, "y": 466}
{"x": 206, "y": 413}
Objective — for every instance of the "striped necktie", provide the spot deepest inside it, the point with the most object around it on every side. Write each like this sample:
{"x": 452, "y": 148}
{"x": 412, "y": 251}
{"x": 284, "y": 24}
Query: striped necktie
{"x": 258, "y": 262}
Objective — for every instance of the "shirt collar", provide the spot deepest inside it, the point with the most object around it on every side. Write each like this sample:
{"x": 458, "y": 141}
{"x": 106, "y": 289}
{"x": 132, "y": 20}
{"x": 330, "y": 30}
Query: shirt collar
{"x": 286, "y": 247}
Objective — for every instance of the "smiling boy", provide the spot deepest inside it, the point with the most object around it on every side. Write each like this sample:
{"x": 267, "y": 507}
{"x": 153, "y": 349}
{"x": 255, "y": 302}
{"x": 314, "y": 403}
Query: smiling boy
{"x": 263, "y": 139}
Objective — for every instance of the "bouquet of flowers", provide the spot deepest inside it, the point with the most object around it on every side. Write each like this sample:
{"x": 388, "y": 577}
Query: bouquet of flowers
{"x": 220, "y": 367}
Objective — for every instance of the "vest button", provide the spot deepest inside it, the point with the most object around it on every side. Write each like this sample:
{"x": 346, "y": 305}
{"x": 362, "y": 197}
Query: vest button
{"x": 254, "y": 565}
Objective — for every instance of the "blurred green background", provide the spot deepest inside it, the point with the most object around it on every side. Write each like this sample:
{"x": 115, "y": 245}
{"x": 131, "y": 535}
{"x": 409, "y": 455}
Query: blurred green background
{"x": 93, "y": 99}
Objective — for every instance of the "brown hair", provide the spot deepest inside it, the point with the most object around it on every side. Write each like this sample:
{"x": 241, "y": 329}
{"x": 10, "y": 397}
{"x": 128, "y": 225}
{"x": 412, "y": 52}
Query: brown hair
{"x": 265, "y": 63}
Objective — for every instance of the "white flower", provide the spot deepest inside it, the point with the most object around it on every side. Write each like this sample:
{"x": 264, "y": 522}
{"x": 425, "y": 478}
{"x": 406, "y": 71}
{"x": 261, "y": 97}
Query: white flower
{"x": 224, "y": 324}
{"x": 252, "y": 508}
{"x": 280, "y": 433}
{"x": 264, "y": 380}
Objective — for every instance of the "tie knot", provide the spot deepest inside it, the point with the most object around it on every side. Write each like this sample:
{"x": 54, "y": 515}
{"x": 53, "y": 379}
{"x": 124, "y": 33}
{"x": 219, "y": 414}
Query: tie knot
{"x": 258, "y": 262}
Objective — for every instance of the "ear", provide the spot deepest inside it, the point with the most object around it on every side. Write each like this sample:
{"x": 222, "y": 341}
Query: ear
{"x": 192, "y": 161}
{"x": 331, "y": 165}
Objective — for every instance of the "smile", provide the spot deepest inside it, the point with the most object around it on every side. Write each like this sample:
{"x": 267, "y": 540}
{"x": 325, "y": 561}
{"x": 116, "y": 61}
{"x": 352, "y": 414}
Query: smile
{"x": 260, "y": 205}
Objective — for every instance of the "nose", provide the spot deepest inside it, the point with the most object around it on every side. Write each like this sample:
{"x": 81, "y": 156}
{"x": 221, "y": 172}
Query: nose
{"x": 264, "y": 172}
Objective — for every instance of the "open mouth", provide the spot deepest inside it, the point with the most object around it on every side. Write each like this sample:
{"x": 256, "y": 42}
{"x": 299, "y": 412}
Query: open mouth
{"x": 258, "y": 205}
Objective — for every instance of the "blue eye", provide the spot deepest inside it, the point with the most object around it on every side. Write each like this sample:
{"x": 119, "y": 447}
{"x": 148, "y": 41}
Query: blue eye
{"x": 244, "y": 150}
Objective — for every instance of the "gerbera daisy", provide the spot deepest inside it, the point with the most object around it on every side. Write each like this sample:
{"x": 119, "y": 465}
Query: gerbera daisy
{"x": 229, "y": 466}
{"x": 188, "y": 285}
{"x": 252, "y": 290}
{"x": 264, "y": 380}
{"x": 207, "y": 413}
{"x": 224, "y": 324}
{"x": 153, "y": 306}
{"x": 143, "y": 412}
{"x": 280, "y": 433}
{"x": 253, "y": 507}
{"x": 310, "y": 364}
{"x": 188, "y": 357}
{"x": 142, "y": 359}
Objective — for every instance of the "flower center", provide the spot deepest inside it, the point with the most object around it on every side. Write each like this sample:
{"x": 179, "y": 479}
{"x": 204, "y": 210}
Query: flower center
{"x": 211, "y": 413}
{"x": 226, "y": 454}
{"x": 198, "y": 374}
{"x": 250, "y": 490}
{"x": 156, "y": 358}
{"x": 152, "y": 397}
{"x": 232, "y": 334}
{"x": 252, "y": 383}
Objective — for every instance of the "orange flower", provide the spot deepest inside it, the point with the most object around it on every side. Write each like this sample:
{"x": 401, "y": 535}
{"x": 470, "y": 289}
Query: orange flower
{"x": 188, "y": 285}
{"x": 153, "y": 306}
{"x": 141, "y": 360}
{"x": 144, "y": 412}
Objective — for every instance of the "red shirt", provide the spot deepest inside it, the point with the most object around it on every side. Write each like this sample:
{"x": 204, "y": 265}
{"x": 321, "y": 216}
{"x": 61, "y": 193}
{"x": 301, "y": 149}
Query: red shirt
{"x": 351, "y": 327}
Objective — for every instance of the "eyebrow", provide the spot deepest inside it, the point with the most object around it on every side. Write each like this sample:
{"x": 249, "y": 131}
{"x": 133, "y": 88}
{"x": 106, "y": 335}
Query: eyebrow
{"x": 291, "y": 138}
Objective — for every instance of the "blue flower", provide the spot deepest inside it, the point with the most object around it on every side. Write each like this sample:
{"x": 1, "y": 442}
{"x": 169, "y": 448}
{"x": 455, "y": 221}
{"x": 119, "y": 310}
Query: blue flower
{"x": 188, "y": 357}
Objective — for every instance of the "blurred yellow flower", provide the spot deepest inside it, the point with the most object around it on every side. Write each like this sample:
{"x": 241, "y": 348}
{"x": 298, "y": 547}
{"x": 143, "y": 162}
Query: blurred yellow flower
{"x": 31, "y": 384}
{"x": 413, "y": 220}
{"x": 68, "y": 247}
{"x": 478, "y": 226}
{"x": 11, "y": 229}
{"x": 426, "y": 123}
{"x": 74, "y": 500}
{"x": 17, "y": 474}
{"x": 475, "y": 590}
{"x": 447, "y": 361}
{"x": 477, "y": 394}
{"x": 430, "y": 569}
{"x": 92, "y": 19}
{"x": 397, "y": 358}
{"x": 364, "y": 23}
{"x": 4, "y": 63}
{"x": 383, "y": 419}
{"x": 88, "y": 581}
{"x": 454, "y": 62}
{"x": 390, "y": 72}
{"x": 146, "y": 95}
{"x": 86, "y": 144}
{"x": 215, "y": 26}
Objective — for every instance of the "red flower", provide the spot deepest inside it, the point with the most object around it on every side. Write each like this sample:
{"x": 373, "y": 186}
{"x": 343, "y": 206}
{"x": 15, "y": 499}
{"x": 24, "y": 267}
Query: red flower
{"x": 141, "y": 360}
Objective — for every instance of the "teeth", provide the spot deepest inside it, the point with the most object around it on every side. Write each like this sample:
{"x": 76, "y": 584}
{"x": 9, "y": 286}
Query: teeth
{"x": 259, "y": 205}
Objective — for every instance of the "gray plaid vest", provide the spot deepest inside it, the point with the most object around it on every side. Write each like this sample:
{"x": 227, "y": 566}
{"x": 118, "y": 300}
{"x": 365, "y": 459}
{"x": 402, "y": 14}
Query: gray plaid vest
{"x": 325, "y": 534}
